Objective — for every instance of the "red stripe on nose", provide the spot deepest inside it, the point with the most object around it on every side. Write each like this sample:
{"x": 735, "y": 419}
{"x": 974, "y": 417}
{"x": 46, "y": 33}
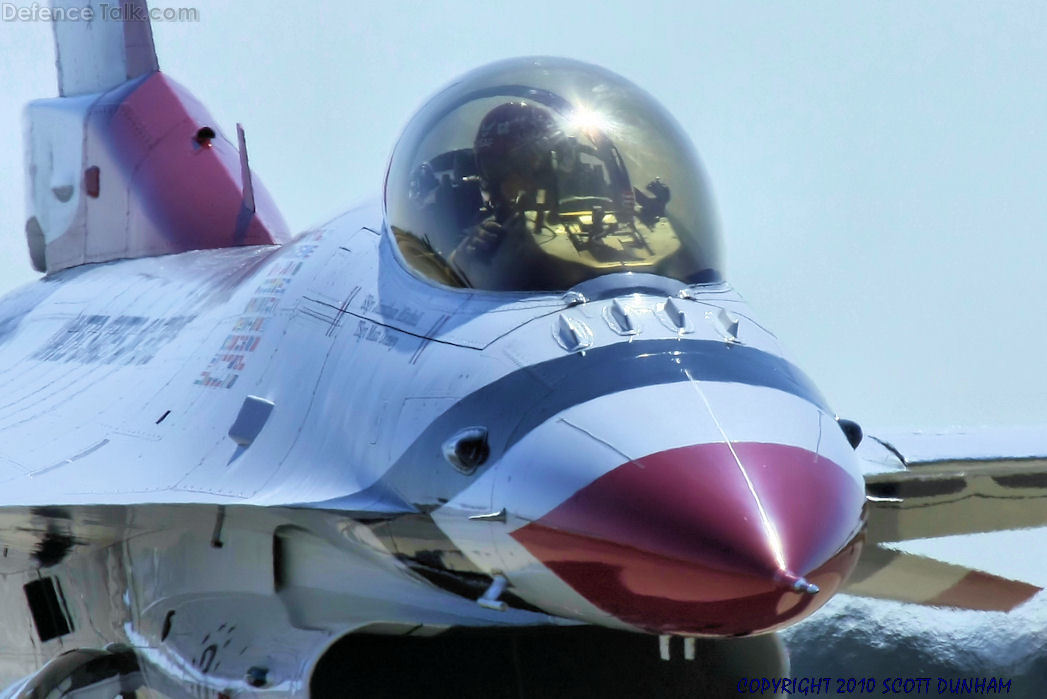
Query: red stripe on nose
{"x": 697, "y": 539}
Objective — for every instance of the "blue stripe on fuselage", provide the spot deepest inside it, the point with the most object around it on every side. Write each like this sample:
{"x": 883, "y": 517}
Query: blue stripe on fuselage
{"x": 520, "y": 401}
{"x": 578, "y": 378}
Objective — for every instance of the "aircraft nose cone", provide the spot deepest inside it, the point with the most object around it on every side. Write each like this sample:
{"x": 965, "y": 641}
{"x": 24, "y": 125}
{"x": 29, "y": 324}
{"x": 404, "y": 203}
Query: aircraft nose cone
{"x": 716, "y": 538}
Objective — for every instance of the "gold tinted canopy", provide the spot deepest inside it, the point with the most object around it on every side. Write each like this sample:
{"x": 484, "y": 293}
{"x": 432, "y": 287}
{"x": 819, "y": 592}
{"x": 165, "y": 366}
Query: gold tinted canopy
{"x": 537, "y": 174}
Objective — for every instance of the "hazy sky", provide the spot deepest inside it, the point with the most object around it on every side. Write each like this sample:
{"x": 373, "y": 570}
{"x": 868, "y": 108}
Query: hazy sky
{"x": 879, "y": 166}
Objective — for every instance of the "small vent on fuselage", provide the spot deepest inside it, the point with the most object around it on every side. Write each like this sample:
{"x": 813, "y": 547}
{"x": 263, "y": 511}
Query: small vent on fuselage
{"x": 47, "y": 605}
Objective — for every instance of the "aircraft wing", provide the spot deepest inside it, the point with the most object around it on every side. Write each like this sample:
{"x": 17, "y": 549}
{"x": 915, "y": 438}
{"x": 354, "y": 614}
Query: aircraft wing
{"x": 928, "y": 485}
{"x": 884, "y": 573}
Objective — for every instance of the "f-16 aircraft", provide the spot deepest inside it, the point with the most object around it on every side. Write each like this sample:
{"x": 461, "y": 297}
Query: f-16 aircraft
{"x": 507, "y": 431}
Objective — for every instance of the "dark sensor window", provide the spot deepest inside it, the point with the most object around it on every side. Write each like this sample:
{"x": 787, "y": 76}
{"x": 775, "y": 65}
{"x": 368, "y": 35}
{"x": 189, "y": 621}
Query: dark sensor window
{"x": 47, "y": 605}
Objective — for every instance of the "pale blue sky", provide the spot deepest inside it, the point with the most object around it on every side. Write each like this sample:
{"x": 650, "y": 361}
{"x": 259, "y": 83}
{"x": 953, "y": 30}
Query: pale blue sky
{"x": 879, "y": 168}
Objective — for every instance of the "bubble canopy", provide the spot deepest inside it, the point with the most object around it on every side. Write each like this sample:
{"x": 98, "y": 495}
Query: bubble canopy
{"x": 537, "y": 174}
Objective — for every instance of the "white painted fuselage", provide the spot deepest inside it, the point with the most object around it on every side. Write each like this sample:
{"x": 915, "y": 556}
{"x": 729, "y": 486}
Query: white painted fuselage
{"x": 120, "y": 383}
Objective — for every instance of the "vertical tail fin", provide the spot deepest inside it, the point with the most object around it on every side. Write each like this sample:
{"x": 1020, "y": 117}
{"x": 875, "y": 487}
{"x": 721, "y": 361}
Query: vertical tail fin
{"x": 97, "y": 54}
{"x": 126, "y": 162}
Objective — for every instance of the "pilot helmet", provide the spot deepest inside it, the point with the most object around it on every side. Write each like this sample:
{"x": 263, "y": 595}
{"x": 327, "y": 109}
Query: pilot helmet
{"x": 513, "y": 146}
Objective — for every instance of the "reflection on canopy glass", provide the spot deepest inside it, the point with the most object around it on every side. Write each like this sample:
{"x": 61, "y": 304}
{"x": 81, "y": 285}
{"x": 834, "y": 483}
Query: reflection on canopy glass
{"x": 538, "y": 174}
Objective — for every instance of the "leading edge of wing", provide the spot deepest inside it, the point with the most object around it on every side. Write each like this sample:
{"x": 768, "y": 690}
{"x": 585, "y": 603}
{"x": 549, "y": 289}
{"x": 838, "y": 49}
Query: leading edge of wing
{"x": 927, "y": 485}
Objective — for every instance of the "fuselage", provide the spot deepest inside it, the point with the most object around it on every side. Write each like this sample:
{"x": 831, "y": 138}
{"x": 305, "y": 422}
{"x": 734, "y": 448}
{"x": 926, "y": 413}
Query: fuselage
{"x": 642, "y": 454}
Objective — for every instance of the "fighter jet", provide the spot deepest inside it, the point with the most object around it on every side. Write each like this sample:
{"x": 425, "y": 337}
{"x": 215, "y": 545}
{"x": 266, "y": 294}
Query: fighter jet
{"x": 506, "y": 431}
